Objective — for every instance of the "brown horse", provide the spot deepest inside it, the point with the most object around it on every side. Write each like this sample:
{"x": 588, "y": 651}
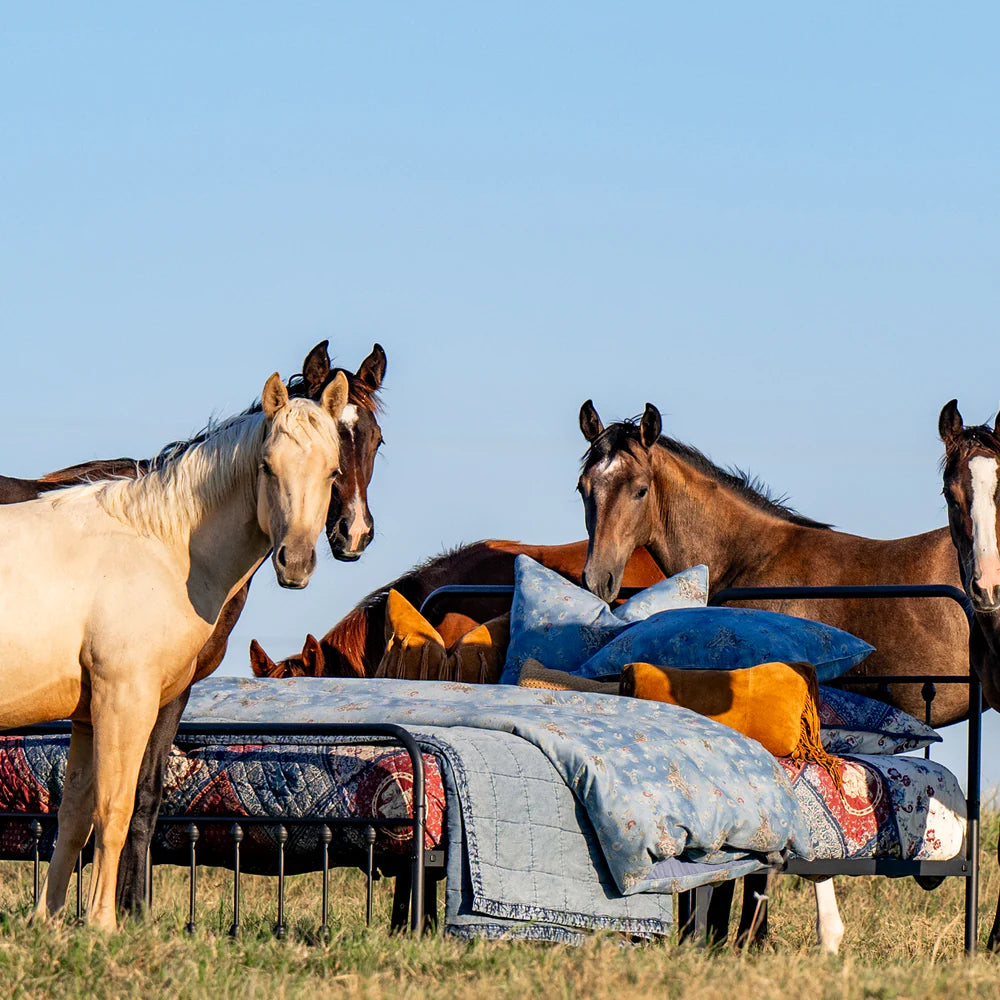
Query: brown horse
{"x": 970, "y": 471}
{"x": 359, "y": 442}
{"x": 643, "y": 489}
{"x": 355, "y": 645}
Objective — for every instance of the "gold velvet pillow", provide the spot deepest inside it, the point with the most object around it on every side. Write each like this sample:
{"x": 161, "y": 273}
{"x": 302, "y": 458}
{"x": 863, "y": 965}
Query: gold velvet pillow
{"x": 415, "y": 651}
{"x": 776, "y": 704}
{"x": 534, "y": 675}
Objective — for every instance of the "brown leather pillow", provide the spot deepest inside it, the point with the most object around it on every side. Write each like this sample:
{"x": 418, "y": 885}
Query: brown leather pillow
{"x": 776, "y": 704}
{"x": 415, "y": 650}
{"x": 535, "y": 675}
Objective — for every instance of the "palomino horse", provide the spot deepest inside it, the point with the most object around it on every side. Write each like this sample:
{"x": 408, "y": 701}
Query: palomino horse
{"x": 358, "y": 446}
{"x": 355, "y": 645}
{"x": 972, "y": 492}
{"x": 113, "y": 588}
{"x": 642, "y": 489}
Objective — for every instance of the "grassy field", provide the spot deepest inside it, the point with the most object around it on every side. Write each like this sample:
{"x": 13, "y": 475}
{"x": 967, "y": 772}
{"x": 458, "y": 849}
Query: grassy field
{"x": 901, "y": 942}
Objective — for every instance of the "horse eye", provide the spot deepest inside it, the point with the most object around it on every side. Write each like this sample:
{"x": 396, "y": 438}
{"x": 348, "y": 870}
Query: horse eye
{"x": 266, "y": 469}
{"x": 334, "y": 473}
{"x": 641, "y": 492}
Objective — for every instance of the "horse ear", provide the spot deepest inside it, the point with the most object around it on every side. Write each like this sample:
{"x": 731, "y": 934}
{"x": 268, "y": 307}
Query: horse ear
{"x": 274, "y": 396}
{"x": 650, "y": 426}
{"x": 316, "y": 368}
{"x": 372, "y": 369}
{"x": 261, "y": 664}
{"x": 950, "y": 423}
{"x": 334, "y": 397}
{"x": 590, "y": 422}
{"x": 996, "y": 425}
{"x": 312, "y": 657}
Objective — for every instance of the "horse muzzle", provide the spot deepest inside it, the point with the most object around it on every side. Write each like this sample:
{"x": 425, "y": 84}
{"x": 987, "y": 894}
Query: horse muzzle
{"x": 293, "y": 565}
{"x": 349, "y": 539}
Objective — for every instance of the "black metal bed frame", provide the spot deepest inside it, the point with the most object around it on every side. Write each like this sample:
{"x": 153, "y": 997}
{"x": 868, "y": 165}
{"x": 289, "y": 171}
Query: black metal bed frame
{"x": 414, "y": 903}
{"x": 693, "y": 905}
{"x": 413, "y": 881}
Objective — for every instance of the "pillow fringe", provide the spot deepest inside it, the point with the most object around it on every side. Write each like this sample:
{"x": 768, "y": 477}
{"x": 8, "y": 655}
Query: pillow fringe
{"x": 810, "y": 746}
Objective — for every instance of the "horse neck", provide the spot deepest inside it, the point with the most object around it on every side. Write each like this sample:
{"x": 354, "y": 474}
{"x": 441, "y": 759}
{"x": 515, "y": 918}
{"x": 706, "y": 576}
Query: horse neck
{"x": 702, "y": 521}
{"x": 202, "y": 503}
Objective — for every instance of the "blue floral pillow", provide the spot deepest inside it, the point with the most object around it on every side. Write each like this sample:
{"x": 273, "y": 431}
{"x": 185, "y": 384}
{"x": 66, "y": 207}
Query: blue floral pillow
{"x": 560, "y": 624}
{"x": 854, "y": 723}
{"x": 727, "y": 639}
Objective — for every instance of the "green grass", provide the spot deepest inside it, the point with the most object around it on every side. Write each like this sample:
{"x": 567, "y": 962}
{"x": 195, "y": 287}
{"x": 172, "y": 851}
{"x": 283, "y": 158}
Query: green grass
{"x": 901, "y": 942}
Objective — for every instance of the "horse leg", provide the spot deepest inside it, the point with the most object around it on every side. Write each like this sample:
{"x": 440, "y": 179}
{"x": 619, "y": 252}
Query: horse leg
{"x": 829, "y": 926}
{"x": 123, "y": 718}
{"x": 131, "y": 893}
{"x": 75, "y": 821}
{"x": 993, "y": 941}
{"x": 752, "y": 929}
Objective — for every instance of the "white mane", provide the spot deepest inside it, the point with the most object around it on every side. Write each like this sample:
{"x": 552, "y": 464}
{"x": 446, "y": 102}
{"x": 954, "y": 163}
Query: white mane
{"x": 179, "y": 492}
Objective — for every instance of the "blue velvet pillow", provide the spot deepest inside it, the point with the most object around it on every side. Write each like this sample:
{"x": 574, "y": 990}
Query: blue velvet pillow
{"x": 561, "y": 625}
{"x": 727, "y": 639}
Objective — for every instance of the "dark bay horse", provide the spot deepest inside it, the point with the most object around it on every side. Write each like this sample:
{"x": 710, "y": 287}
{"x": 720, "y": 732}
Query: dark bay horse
{"x": 972, "y": 492}
{"x": 355, "y": 645}
{"x": 360, "y": 439}
{"x": 640, "y": 488}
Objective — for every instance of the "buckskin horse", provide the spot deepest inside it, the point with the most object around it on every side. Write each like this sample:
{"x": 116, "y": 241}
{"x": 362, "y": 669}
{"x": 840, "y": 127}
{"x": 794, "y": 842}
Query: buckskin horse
{"x": 642, "y": 489}
{"x": 360, "y": 439}
{"x": 113, "y": 588}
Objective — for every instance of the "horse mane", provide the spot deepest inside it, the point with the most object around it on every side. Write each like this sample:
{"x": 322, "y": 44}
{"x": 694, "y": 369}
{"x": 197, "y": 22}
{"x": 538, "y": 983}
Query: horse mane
{"x": 184, "y": 482}
{"x": 977, "y": 435}
{"x": 620, "y": 436}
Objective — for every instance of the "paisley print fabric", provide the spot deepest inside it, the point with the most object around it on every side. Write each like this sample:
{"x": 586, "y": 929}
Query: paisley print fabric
{"x": 853, "y": 723}
{"x": 561, "y": 625}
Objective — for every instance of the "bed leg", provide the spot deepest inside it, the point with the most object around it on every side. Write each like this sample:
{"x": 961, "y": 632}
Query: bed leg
{"x": 400, "y": 919}
{"x": 753, "y": 915}
{"x": 692, "y": 914}
{"x": 719, "y": 909}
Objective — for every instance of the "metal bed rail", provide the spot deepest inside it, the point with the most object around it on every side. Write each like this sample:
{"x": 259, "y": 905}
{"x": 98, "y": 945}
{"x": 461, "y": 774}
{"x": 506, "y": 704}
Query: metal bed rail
{"x": 383, "y": 734}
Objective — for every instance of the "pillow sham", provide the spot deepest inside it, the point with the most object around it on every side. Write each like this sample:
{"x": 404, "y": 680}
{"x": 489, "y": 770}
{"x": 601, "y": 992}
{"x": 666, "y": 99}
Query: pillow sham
{"x": 415, "y": 651}
{"x": 560, "y": 624}
{"x": 855, "y": 723}
{"x": 727, "y": 639}
{"x": 775, "y": 704}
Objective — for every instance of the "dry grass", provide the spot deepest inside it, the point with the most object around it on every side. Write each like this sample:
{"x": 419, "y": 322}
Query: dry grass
{"x": 901, "y": 942}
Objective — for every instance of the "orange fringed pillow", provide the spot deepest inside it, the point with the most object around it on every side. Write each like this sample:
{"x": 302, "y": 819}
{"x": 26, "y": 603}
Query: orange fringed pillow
{"x": 776, "y": 704}
{"x": 415, "y": 651}
{"x": 534, "y": 675}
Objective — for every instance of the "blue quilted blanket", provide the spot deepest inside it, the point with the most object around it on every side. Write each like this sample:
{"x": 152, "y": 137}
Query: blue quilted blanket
{"x": 569, "y": 806}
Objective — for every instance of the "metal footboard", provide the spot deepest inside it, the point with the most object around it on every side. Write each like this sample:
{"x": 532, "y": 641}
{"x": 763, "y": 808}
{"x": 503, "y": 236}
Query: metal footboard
{"x": 412, "y": 880}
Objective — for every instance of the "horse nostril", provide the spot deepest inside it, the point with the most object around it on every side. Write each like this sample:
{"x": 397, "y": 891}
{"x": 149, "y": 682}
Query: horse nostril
{"x": 610, "y": 582}
{"x": 280, "y": 556}
{"x": 342, "y": 527}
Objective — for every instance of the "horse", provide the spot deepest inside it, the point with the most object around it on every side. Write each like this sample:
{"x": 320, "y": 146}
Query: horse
{"x": 355, "y": 645}
{"x": 642, "y": 489}
{"x": 970, "y": 473}
{"x": 360, "y": 440}
{"x": 113, "y": 588}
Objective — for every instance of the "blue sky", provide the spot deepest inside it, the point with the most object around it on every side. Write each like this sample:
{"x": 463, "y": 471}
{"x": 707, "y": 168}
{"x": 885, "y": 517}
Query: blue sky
{"x": 777, "y": 223}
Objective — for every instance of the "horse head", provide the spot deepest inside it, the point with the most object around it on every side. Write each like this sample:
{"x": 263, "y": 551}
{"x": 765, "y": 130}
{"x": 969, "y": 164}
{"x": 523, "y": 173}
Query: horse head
{"x": 971, "y": 485}
{"x": 349, "y": 523}
{"x": 618, "y": 489}
{"x": 299, "y": 459}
